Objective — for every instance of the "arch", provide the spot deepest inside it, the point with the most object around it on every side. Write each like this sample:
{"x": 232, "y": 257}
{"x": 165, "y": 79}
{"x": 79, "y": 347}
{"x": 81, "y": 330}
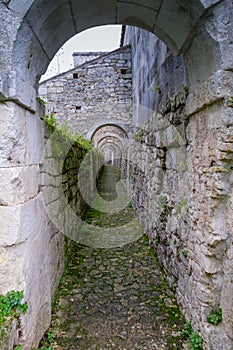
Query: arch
{"x": 43, "y": 26}
{"x": 125, "y": 128}
{"x": 115, "y": 141}
{"x": 107, "y": 132}
{"x": 109, "y": 139}
{"x": 109, "y": 136}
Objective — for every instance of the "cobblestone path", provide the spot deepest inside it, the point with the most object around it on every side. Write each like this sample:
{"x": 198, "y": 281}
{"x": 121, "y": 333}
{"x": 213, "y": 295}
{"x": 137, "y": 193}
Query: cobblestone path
{"x": 115, "y": 298}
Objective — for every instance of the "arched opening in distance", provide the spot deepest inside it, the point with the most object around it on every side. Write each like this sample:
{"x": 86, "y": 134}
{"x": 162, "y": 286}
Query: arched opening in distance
{"x": 109, "y": 140}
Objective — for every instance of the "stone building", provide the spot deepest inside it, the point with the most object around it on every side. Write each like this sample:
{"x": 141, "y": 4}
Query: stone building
{"x": 95, "y": 93}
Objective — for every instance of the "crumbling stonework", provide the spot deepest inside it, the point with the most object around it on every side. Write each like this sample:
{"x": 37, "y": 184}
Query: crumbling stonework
{"x": 181, "y": 177}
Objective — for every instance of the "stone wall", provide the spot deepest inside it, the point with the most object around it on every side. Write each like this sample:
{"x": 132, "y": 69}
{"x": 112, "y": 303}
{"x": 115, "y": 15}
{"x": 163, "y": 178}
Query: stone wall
{"x": 67, "y": 163}
{"x": 34, "y": 199}
{"x": 32, "y": 250}
{"x": 159, "y": 77}
{"x": 97, "y": 92}
{"x": 180, "y": 170}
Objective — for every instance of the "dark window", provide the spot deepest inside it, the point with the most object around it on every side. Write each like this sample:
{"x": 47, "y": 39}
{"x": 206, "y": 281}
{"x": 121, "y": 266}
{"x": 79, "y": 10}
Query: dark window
{"x": 123, "y": 71}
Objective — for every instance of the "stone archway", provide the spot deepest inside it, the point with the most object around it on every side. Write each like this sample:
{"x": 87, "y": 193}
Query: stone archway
{"x": 31, "y": 33}
{"x": 109, "y": 140}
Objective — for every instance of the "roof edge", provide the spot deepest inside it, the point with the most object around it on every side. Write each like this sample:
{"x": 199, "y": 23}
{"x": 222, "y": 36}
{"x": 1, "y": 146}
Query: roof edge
{"x": 86, "y": 63}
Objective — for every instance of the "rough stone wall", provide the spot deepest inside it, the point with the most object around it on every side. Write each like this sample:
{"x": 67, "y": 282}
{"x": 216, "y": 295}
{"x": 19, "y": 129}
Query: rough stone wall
{"x": 66, "y": 164}
{"x": 31, "y": 249}
{"x": 182, "y": 179}
{"x": 92, "y": 94}
{"x": 32, "y": 246}
{"x": 159, "y": 77}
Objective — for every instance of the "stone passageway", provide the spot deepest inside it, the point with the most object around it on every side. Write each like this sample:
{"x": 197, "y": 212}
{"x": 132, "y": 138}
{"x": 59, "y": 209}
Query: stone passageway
{"x": 114, "y": 298}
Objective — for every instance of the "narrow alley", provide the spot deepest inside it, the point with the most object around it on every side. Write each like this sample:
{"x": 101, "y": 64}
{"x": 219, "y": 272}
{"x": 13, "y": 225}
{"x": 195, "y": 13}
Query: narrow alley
{"x": 114, "y": 298}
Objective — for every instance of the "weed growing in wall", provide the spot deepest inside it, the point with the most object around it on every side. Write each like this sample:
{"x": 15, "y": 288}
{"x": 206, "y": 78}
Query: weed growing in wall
{"x": 48, "y": 339}
{"x": 66, "y": 133}
{"x": 185, "y": 253}
{"x": 215, "y": 317}
{"x": 10, "y": 305}
{"x": 186, "y": 90}
{"x": 51, "y": 121}
{"x": 41, "y": 101}
{"x": 195, "y": 340}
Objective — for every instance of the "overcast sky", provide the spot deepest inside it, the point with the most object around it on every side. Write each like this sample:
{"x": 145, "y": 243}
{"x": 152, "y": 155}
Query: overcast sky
{"x": 104, "y": 38}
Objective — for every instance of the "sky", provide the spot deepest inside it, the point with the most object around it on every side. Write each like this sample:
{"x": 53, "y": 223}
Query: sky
{"x": 103, "y": 38}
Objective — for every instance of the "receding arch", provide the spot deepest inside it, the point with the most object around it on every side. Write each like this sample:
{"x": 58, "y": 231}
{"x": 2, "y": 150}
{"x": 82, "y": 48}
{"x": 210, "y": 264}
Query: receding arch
{"x": 119, "y": 126}
{"x": 109, "y": 140}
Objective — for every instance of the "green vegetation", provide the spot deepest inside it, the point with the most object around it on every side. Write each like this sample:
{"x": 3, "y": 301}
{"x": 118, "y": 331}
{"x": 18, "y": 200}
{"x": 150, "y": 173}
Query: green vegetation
{"x": 187, "y": 329}
{"x": 230, "y": 102}
{"x": 65, "y": 132}
{"x": 186, "y": 90}
{"x": 51, "y": 121}
{"x": 10, "y": 305}
{"x": 47, "y": 340}
{"x": 185, "y": 253}
{"x": 19, "y": 347}
{"x": 146, "y": 240}
{"x": 162, "y": 202}
{"x": 215, "y": 317}
{"x": 195, "y": 340}
{"x": 41, "y": 101}
{"x": 136, "y": 137}
{"x": 138, "y": 134}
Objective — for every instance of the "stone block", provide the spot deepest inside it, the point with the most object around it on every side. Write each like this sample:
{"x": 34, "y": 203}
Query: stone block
{"x": 52, "y": 90}
{"x": 209, "y": 264}
{"x": 43, "y": 91}
{"x": 57, "y": 259}
{"x": 18, "y": 184}
{"x": 40, "y": 272}
{"x": 36, "y": 327}
{"x": 19, "y": 222}
{"x": 12, "y": 274}
{"x": 20, "y": 7}
{"x": 13, "y": 134}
